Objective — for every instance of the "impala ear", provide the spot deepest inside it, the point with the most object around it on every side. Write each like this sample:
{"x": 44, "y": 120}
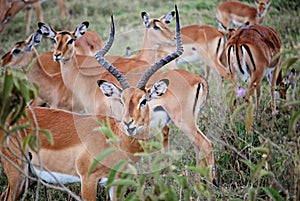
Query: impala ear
{"x": 34, "y": 40}
{"x": 80, "y": 30}
{"x": 146, "y": 18}
{"x": 46, "y": 30}
{"x": 167, "y": 19}
{"x": 291, "y": 77}
{"x": 158, "y": 89}
{"x": 109, "y": 89}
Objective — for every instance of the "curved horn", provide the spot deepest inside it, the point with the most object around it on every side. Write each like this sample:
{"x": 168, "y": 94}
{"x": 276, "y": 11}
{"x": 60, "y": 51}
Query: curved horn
{"x": 108, "y": 66}
{"x": 179, "y": 50}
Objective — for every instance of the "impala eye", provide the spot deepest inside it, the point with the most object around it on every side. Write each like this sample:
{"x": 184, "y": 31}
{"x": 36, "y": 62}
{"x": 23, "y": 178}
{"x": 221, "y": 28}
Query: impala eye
{"x": 143, "y": 103}
{"x": 16, "y": 51}
{"x": 155, "y": 27}
{"x": 53, "y": 40}
{"x": 70, "y": 41}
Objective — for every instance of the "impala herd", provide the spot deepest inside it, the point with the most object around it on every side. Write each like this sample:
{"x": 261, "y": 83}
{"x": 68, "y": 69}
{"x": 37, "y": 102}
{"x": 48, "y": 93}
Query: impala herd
{"x": 81, "y": 84}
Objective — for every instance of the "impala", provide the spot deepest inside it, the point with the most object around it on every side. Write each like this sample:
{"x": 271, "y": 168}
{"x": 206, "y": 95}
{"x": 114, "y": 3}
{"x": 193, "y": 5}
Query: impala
{"x": 186, "y": 92}
{"x": 200, "y": 42}
{"x": 76, "y": 143}
{"x": 17, "y": 6}
{"x": 239, "y": 13}
{"x": 250, "y": 54}
{"x": 46, "y": 73}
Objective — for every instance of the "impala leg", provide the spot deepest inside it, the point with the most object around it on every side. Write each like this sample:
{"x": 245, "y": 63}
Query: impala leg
{"x": 15, "y": 177}
{"x": 62, "y": 7}
{"x": 165, "y": 132}
{"x": 89, "y": 184}
{"x": 258, "y": 94}
{"x": 28, "y": 18}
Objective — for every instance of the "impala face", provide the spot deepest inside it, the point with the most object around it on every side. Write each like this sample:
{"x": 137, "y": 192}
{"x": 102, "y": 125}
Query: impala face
{"x": 157, "y": 29}
{"x": 18, "y": 55}
{"x": 134, "y": 101}
{"x": 262, "y": 7}
{"x": 64, "y": 41}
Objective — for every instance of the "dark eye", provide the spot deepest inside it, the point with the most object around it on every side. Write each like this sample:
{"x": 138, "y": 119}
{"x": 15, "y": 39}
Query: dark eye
{"x": 53, "y": 40}
{"x": 16, "y": 51}
{"x": 70, "y": 41}
{"x": 143, "y": 103}
{"x": 156, "y": 28}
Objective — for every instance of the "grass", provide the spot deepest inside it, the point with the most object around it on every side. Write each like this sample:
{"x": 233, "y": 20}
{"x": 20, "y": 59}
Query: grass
{"x": 241, "y": 168}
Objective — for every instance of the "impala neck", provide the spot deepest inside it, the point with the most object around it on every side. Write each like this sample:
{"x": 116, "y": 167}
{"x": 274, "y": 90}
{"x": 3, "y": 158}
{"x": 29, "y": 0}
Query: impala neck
{"x": 130, "y": 145}
{"x": 148, "y": 51}
{"x": 69, "y": 69}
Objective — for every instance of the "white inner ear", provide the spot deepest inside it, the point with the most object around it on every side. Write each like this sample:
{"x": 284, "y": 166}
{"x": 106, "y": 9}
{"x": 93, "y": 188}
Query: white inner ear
{"x": 157, "y": 89}
{"x": 167, "y": 18}
{"x": 110, "y": 90}
{"x": 46, "y": 30}
{"x": 80, "y": 30}
{"x": 147, "y": 20}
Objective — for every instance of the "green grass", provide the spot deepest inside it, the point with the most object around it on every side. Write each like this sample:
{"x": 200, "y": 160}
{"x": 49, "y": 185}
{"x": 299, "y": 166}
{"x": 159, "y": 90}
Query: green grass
{"x": 232, "y": 143}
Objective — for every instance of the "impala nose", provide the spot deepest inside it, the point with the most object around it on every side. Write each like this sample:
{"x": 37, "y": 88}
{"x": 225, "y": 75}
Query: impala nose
{"x": 130, "y": 130}
{"x": 57, "y": 57}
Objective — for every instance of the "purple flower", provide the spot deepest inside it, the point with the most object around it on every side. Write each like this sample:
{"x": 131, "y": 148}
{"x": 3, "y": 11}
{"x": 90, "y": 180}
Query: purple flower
{"x": 240, "y": 92}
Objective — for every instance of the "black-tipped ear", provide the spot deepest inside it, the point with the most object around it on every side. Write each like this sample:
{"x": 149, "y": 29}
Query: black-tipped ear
{"x": 86, "y": 23}
{"x": 166, "y": 81}
{"x": 40, "y": 24}
{"x": 143, "y": 14}
{"x": 99, "y": 82}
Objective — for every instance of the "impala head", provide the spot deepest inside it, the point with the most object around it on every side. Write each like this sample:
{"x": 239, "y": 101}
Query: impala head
{"x": 157, "y": 30}
{"x": 64, "y": 41}
{"x": 22, "y": 52}
{"x": 284, "y": 85}
{"x": 262, "y": 7}
{"x": 134, "y": 100}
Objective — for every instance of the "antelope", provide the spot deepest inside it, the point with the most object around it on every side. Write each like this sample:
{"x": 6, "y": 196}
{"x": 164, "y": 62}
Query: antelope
{"x": 80, "y": 73}
{"x": 200, "y": 42}
{"x": 186, "y": 94}
{"x": 250, "y": 54}
{"x": 46, "y": 73}
{"x": 76, "y": 143}
{"x": 239, "y": 13}
{"x": 17, "y": 6}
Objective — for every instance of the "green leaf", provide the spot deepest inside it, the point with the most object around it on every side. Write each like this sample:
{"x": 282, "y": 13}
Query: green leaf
{"x": 256, "y": 171}
{"x": 252, "y": 194}
{"x": 292, "y": 103}
{"x": 49, "y": 136}
{"x": 264, "y": 173}
{"x": 293, "y": 121}
{"x": 114, "y": 170}
{"x": 249, "y": 116}
{"x": 99, "y": 157}
{"x": 26, "y": 141}
{"x": 201, "y": 171}
{"x": 124, "y": 182}
{"x": 261, "y": 150}
{"x": 272, "y": 193}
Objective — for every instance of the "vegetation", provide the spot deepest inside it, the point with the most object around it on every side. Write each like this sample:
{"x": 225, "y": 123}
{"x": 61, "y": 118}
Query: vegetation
{"x": 257, "y": 158}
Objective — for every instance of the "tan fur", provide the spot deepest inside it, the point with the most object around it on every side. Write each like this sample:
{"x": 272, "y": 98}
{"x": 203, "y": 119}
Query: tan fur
{"x": 239, "y": 12}
{"x": 180, "y": 100}
{"x": 12, "y": 8}
{"x": 46, "y": 72}
{"x": 264, "y": 43}
{"x": 75, "y": 147}
{"x": 200, "y": 42}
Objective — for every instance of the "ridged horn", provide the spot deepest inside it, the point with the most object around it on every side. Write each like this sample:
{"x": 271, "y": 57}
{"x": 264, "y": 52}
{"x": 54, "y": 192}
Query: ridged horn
{"x": 179, "y": 50}
{"x": 107, "y": 65}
